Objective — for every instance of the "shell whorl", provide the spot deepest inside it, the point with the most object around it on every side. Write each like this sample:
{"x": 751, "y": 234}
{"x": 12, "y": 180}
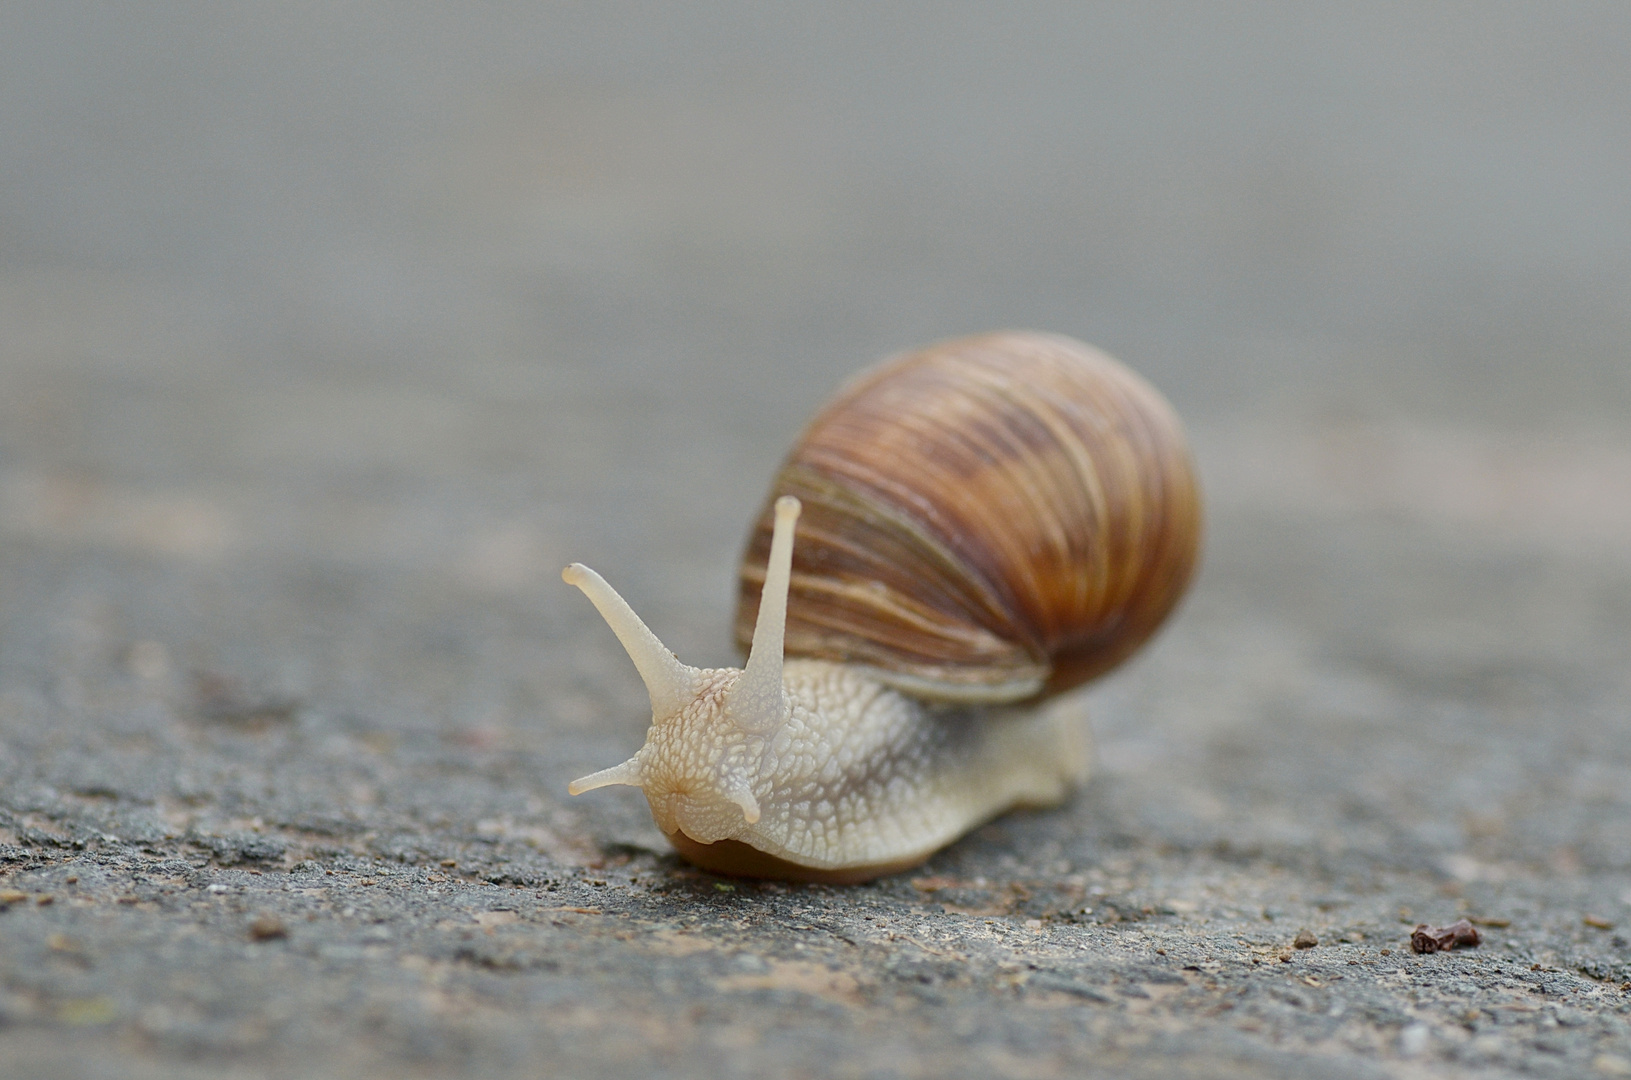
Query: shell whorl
{"x": 988, "y": 518}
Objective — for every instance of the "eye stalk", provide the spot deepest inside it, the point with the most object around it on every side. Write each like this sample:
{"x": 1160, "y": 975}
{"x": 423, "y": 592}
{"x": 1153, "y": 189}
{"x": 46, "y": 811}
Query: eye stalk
{"x": 758, "y": 702}
{"x": 671, "y": 684}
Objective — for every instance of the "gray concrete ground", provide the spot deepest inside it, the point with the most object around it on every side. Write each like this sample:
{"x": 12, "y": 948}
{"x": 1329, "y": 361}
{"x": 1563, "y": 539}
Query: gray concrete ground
{"x": 328, "y": 333}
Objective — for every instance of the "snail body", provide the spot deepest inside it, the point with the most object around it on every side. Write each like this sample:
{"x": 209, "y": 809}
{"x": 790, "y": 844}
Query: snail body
{"x": 981, "y": 525}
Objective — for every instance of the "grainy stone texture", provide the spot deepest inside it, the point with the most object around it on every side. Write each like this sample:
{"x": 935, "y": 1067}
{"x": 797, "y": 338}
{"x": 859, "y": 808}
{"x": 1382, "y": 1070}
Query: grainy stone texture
{"x": 327, "y": 335}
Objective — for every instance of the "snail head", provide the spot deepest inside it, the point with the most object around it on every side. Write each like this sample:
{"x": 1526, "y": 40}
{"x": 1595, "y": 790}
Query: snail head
{"x": 710, "y": 727}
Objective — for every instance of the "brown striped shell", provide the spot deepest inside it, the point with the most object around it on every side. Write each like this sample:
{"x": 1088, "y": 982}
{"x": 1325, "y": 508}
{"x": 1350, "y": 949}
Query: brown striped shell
{"x": 985, "y": 519}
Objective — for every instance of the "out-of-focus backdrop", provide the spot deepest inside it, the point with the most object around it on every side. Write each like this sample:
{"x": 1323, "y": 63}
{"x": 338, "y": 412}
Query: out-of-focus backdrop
{"x": 330, "y": 331}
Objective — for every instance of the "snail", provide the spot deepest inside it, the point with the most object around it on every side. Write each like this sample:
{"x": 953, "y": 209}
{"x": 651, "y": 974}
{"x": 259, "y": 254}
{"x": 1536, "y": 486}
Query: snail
{"x": 963, "y": 533}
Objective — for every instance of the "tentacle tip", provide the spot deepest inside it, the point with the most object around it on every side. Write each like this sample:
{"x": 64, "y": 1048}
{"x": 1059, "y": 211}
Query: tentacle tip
{"x": 575, "y": 574}
{"x": 750, "y": 806}
{"x": 788, "y": 506}
{"x": 628, "y": 773}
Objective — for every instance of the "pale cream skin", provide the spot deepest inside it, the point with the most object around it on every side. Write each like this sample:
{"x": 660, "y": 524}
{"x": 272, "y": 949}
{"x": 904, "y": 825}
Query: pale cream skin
{"x": 818, "y": 763}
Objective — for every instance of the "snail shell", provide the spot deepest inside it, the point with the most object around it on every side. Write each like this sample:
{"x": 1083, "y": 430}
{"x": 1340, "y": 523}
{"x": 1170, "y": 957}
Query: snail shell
{"x": 962, "y": 533}
{"x": 984, "y": 519}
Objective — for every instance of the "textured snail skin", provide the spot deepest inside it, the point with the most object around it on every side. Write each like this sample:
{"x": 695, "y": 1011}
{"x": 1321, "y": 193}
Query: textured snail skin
{"x": 856, "y": 780}
{"x": 990, "y": 520}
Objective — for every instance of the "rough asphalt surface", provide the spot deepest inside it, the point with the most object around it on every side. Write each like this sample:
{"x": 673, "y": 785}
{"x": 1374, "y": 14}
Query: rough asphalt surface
{"x": 328, "y": 335}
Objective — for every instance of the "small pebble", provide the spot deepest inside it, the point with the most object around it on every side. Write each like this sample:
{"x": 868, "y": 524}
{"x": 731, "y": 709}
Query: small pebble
{"x": 1305, "y": 940}
{"x": 1597, "y": 923}
{"x": 1459, "y": 934}
{"x": 267, "y": 928}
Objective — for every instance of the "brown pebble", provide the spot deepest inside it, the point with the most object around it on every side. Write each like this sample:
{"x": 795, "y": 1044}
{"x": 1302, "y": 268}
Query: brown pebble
{"x": 46, "y": 900}
{"x": 1597, "y": 923}
{"x": 267, "y": 928}
{"x": 1305, "y": 940}
{"x": 1459, "y": 934}
{"x": 933, "y": 884}
{"x": 450, "y": 862}
{"x": 12, "y": 896}
{"x": 72, "y": 879}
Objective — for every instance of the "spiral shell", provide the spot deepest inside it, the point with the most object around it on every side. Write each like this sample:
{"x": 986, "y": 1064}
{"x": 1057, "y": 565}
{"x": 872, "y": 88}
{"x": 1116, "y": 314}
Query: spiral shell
{"x": 990, "y": 518}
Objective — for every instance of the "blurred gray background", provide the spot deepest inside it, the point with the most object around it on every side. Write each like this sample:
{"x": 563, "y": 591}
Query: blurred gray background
{"x": 330, "y": 331}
